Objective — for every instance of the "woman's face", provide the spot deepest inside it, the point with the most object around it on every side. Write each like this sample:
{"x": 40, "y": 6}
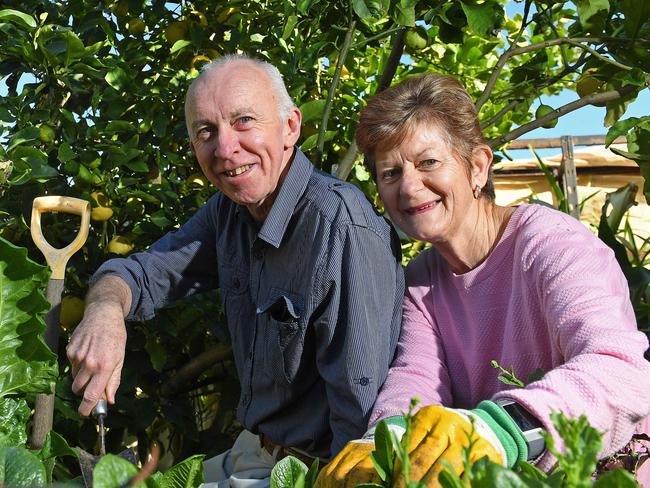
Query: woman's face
{"x": 425, "y": 188}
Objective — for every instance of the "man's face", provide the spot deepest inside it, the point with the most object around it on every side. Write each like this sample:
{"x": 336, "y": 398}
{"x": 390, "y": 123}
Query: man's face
{"x": 237, "y": 136}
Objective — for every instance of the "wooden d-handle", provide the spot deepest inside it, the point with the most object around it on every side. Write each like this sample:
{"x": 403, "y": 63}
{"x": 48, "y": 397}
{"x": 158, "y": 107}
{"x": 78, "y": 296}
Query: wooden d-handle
{"x": 58, "y": 258}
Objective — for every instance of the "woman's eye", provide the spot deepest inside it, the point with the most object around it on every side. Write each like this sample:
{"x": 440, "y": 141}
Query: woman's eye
{"x": 388, "y": 174}
{"x": 427, "y": 163}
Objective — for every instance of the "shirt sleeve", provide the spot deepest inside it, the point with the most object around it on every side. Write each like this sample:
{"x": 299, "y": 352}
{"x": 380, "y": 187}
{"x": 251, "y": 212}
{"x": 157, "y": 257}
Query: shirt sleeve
{"x": 362, "y": 289}
{"x": 179, "y": 264}
{"x": 602, "y": 373}
{"x": 419, "y": 369}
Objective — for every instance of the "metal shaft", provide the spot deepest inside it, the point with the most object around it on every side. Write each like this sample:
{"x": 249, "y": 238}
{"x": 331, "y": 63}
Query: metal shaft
{"x": 99, "y": 413}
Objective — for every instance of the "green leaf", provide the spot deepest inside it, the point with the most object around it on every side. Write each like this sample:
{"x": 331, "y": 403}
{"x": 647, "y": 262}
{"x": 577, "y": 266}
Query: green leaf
{"x": 310, "y": 142}
{"x": 620, "y": 128}
{"x": 618, "y": 478}
{"x": 288, "y": 26}
{"x": 630, "y": 155}
{"x": 186, "y": 474}
{"x": 592, "y": 12}
{"x": 14, "y": 415}
{"x": 20, "y": 468}
{"x": 312, "y": 474}
{"x": 55, "y": 446}
{"x": 112, "y": 471}
{"x": 304, "y": 6}
{"x": 117, "y": 78}
{"x": 26, "y": 364}
{"x": 157, "y": 353}
{"x": 405, "y": 13}
{"x": 383, "y": 454}
{"x": 486, "y": 474}
{"x": 484, "y": 18}
{"x": 179, "y": 45}
{"x": 312, "y": 110}
{"x": 160, "y": 220}
{"x": 17, "y": 17}
{"x": 361, "y": 9}
{"x": 286, "y": 472}
{"x": 636, "y": 13}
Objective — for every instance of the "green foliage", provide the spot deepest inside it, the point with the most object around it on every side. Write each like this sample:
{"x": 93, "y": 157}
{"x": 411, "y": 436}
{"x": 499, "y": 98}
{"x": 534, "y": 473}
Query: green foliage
{"x": 26, "y": 363}
{"x": 20, "y": 468}
{"x": 95, "y": 103}
{"x": 289, "y": 471}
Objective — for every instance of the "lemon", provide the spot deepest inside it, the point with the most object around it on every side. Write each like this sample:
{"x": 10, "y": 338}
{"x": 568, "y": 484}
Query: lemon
{"x": 197, "y": 179}
{"x": 72, "y": 311}
{"x": 46, "y": 133}
{"x": 543, "y": 110}
{"x": 586, "y": 85}
{"x": 101, "y": 213}
{"x": 176, "y": 31}
{"x": 416, "y": 39}
{"x": 120, "y": 245}
{"x": 136, "y": 26}
{"x": 99, "y": 198}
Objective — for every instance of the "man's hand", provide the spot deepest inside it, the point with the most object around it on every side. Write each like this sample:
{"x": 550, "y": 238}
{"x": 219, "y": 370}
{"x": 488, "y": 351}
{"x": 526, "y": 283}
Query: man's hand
{"x": 352, "y": 466}
{"x": 97, "y": 346}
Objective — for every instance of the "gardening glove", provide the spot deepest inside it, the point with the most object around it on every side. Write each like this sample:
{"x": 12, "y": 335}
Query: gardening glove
{"x": 353, "y": 465}
{"x": 440, "y": 434}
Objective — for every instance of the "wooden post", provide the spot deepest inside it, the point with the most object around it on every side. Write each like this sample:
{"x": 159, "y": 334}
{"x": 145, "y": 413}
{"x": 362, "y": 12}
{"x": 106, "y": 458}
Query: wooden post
{"x": 568, "y": 176}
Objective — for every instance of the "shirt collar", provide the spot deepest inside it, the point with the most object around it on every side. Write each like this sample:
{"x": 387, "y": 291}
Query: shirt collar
{"x": 291, "y": 190}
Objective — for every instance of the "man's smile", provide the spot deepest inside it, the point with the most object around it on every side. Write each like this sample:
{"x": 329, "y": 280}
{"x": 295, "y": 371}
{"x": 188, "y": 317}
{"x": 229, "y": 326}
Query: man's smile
{"x": 237, "y": 171}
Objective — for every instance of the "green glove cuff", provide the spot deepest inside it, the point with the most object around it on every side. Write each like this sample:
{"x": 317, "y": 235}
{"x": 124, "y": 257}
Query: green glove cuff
{"x": 506, "y": 430}
{"x": 397, "y": 424}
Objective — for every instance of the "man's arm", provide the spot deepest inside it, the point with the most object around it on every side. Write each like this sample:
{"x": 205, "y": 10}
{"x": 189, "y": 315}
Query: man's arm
{"x": 97, "y": 346}
{"x": 359, "y": 328}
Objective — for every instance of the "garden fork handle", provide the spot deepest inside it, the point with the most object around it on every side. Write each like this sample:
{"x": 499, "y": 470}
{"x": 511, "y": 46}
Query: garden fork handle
{"x": 57, "y": 260}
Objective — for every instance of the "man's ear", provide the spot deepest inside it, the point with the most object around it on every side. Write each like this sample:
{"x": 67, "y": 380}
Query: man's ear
{"x": 481, "y": 162}
{"x": 292, "y": 128}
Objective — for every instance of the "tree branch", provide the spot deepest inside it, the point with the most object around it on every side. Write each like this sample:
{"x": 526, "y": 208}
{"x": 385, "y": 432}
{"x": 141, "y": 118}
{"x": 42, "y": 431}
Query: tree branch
{"x": 384, "y": 82}
{"x": 330, "y": 95}
{"x": 505, "y": 57}
{"x": 564, "y": 109}
{"x": 194, "y": 368}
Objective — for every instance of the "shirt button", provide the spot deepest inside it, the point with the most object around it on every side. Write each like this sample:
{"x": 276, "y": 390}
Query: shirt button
{"x": 363, "y": 381}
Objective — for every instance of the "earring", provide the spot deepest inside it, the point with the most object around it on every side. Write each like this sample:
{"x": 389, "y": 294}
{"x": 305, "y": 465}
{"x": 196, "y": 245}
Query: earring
{"x": 477, "y": 191}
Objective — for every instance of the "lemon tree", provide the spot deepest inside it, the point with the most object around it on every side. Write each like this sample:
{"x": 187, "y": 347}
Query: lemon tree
{"x": 92, "y": 107}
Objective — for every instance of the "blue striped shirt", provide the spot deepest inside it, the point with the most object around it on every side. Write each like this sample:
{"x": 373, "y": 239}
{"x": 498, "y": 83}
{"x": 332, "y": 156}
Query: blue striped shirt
{"x": 312, "y": 298}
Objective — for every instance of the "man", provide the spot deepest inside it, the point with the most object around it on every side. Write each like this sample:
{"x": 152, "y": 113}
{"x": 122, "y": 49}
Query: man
{"x": 310, "y": 279}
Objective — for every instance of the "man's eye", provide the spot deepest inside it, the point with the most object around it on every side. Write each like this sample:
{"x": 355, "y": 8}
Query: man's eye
{"x": 204, "y": 132}
{"x": 245, "y": 120}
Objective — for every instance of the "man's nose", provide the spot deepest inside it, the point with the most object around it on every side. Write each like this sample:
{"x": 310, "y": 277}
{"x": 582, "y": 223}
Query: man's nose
{"x": 227, "y": 143}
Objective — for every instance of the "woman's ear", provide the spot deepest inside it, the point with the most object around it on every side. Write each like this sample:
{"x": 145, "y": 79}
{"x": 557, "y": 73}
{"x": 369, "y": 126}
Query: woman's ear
{"x": 481, "y": 162}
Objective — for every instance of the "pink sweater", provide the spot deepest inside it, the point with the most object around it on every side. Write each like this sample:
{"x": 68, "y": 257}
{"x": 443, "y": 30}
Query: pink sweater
{"x": 550, "y": 296}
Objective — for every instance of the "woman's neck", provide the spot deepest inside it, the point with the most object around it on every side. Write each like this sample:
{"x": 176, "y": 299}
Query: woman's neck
{"x": 481, "y": 232}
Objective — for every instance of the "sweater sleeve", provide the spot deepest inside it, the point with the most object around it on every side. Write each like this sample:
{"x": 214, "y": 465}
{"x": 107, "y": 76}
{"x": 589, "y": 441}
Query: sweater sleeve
{"x": 419, "y": 368}
{"x": 602, "y": 372}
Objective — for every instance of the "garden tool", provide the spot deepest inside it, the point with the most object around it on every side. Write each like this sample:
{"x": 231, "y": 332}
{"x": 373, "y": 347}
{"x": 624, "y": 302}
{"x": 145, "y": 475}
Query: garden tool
{"x": 56, "y": 260}
{"x": 88, "y": 461}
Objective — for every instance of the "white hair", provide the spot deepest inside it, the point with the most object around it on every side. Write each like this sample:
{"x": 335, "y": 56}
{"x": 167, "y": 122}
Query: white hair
{"x": 285, "y": 103}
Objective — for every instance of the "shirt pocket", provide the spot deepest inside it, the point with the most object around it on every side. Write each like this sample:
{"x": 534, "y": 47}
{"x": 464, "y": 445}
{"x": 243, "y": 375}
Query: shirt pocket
{"x": 284, "y": 334}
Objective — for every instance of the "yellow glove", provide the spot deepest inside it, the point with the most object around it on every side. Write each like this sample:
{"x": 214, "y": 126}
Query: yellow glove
{"x": 439, "y": 433}
{"x": 351, "y": 466}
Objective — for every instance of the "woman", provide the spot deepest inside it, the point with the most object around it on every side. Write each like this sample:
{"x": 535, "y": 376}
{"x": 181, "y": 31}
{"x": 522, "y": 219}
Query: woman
{"x": 526, "y": 286}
